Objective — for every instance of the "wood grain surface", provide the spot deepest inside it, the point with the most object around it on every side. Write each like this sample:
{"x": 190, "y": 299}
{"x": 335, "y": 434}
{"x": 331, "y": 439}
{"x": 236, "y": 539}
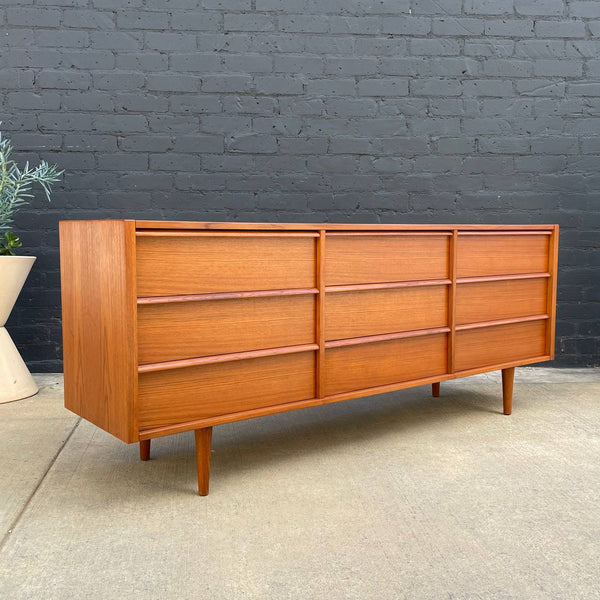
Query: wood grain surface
{"x": 192, "y": 329}
{"x": 97, "y": 263}
{"x": 203, "y": 438}
{"x": 224, "y": 296}
{"x": 237, "y": 320}
{"x": 372, "y": 259}
{"x": 380, "y": 363}
{"x": 508, "y": 378}
{"x": 499, "y": 344}
{"x": 552, "y": 290}
{"x": 353, "y": 314}
{"x": 193, "y": 265}
{"x": 500, "y": 300}
{"x": 501, "y": 254}
{"x": 193, "y": 393}
{"x": 238, "y": 226}
{"x": 184, "y": 363}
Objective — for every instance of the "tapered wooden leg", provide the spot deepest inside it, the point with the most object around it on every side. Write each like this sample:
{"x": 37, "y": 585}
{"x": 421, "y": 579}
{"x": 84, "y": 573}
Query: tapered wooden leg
{"x": 435, "y": 389}
{"x": 145, "y": 449}
{"x": 508, "y": 377}
{"x": 203, "y": 442}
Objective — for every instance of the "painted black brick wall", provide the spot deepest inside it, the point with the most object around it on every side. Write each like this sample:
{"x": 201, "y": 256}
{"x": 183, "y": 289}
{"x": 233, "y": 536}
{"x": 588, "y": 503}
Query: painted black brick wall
{"x": 309, "y": 110}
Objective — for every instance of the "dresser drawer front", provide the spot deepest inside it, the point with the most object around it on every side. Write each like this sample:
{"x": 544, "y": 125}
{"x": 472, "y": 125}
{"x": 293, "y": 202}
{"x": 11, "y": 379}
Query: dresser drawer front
{"x": 173, "y": 265}
{"x": 495, "y": 300}
{"x": 369, "y": 365}
{"x": 480, "y": 255}
{"x": 355, "y": 259}
{"x": 178, "y": 330}
{"x": 181, "y": 395}
{"x": 373, "y": 312}
{"x": 487, "y": 346}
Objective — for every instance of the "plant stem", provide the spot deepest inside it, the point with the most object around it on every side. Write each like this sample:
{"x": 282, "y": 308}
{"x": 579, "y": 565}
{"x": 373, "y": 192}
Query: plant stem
{"x": 3, "y": 181}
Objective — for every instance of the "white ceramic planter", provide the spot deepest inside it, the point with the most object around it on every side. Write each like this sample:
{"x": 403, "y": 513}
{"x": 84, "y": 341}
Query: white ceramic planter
{"x": 16, "y": 381}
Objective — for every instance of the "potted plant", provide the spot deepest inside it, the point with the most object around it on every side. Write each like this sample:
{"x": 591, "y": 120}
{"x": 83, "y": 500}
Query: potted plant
{"x": 15, "y": 191}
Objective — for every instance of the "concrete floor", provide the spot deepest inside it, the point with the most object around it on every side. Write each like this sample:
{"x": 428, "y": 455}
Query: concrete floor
{"x": 389, "y": 497}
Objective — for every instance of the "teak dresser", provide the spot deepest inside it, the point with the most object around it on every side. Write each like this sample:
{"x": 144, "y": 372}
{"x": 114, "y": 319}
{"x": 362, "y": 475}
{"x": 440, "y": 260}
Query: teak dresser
{"x": 174, "y": 326}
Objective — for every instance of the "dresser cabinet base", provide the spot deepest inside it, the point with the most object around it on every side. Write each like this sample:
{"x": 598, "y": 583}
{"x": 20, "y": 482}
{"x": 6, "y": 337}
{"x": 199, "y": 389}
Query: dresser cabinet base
{"x": 177, "y": 326}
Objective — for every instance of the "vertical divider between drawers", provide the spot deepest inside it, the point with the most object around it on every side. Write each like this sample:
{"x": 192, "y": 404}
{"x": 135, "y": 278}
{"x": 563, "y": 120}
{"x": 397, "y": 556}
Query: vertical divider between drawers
{"x": 452, "y": 299}
{"x": 320, "y": 314}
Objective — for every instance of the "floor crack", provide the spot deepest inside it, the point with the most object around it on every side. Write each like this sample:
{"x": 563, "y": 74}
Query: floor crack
{"x": 16, "y": 520}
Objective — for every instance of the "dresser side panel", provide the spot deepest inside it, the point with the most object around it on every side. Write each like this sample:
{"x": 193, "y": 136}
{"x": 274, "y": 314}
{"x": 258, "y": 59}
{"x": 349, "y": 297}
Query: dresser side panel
{"x": 552, "y": 290}
{"x": 97, "y": 261}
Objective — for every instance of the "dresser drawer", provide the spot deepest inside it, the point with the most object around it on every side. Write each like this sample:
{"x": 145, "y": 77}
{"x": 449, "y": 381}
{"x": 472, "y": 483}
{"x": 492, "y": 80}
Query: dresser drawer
{"x": 372, "y": 312}
{"x": 178, "y": 330}
{"x": 495, "y": 300}
{"x": 362, "y": 366}
{"x": 188, "y": 394}
{"x": 194, "y": 264}
{"x": 351, "y": 259}
{"x": 499, "y": 344}
{"x": 501, "y": 254}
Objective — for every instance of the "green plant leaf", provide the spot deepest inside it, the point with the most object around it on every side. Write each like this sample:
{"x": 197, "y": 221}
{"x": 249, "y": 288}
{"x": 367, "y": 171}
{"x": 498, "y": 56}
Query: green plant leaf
{"x": 9, "y": 243}
{"x": 16, "y": 188}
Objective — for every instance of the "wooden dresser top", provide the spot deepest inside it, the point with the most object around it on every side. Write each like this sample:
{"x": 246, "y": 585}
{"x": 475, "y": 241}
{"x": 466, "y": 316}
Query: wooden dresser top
{"x": 216, "y": 225}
